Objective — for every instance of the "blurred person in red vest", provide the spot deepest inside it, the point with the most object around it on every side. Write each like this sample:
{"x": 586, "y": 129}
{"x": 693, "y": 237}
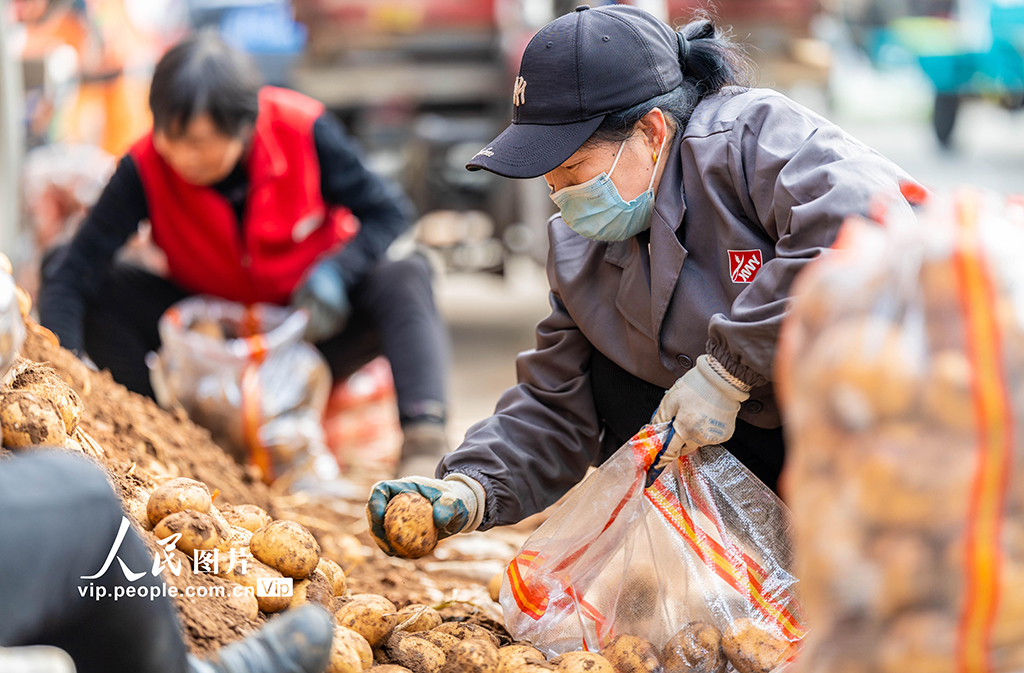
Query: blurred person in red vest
{"x": 255, "y": 194}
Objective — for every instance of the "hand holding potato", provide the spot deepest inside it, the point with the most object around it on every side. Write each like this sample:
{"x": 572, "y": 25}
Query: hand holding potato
{"x": 457, "y": 506}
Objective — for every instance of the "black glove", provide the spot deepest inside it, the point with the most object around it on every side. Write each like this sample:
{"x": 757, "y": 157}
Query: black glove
{"x": 324, "y": 296}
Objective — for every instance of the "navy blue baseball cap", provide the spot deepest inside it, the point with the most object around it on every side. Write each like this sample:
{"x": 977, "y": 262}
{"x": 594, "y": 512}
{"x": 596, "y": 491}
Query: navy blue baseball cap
{"x": 575, "y": 71}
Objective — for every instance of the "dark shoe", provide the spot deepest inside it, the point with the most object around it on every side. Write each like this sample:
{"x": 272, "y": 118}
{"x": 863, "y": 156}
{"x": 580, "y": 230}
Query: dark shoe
{"x": 424, "y": 445}
{"x": 299, "y": 641}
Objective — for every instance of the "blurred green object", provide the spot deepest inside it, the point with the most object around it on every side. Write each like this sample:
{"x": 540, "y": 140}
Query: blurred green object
{"x": 978, "y": 55}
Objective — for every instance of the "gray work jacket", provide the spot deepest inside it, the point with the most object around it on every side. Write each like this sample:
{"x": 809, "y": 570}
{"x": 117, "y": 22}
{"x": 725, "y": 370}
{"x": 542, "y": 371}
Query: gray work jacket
{"x": 755, "y": 187}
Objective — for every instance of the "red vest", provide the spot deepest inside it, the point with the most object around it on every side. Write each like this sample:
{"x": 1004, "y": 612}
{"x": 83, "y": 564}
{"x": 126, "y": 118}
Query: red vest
{"x": 287, "y": 226}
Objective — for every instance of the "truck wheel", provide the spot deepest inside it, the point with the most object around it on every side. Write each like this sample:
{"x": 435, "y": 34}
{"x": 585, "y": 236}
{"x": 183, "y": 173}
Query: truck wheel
{"x": 944, "y": 117}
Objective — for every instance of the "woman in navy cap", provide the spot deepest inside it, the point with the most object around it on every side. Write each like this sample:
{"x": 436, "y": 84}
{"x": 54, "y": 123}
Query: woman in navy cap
{"x": 688, "y": 205}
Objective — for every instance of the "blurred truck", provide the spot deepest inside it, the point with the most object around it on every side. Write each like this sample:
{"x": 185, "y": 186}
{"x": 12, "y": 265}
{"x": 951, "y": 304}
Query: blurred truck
{"x": 424, "y": 84}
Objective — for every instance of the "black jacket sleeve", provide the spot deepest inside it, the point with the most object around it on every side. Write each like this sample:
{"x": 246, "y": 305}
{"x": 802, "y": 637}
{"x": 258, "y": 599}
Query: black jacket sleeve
{"x": 383, "y": 211}
{"x": 74, "y": 275}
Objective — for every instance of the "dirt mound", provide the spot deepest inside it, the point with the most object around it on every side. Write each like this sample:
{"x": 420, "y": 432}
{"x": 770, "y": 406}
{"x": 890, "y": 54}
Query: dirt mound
{"x": 142, "y": 445}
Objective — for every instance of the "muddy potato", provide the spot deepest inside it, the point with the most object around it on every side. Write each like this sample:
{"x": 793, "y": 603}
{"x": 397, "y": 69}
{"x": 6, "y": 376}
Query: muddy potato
{"x": 390, "y": 668}
{"x": 240, "y": 537}
{"x": 334, "y": 574}
{"x": 211, "y": 329}
{"x": 348, "y": 551}
{"x": 43, "y": 382}
{"x": 198, "y": 530}
{"x": 473, "y": 655}
{"x": 416, "y": 617}
{"x": 494, "y": 586}
{"x": 249, "y": 517}
{"x": 582, "y": 662}
{"x": 697, "y": 648}
{"x": 444, "y": 641}
{"x": 350, "y": 653}
{"x": 513, "y": 657}
{"x": 254, "y": 570}
{"x": 751, "y": 649}
{"x": 29, "y": 420}
{"x": 287, "y": 547}
{"x": 315, "y": 589}
{"x": 464, "y": 631}
{"x": 178, "y": 495}
{"x": 919, "y": 642}
{"x": 369, "y": 615}
{"x": 532, "y": 667}
{"x": 245, "y": 603}
{"x": 417, "y": 654}
{"x": 630, "y": 654}
{"x": 409, "y": 525}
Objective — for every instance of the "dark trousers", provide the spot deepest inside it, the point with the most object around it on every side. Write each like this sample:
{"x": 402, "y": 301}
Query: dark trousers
{"x": 625, "y": 403}
{"x": 59, "y": 518}
{"x": 393, "y": 314}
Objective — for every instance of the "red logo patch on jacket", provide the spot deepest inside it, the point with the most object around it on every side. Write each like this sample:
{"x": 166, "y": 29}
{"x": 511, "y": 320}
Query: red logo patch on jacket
{"x": 744, "y": 265}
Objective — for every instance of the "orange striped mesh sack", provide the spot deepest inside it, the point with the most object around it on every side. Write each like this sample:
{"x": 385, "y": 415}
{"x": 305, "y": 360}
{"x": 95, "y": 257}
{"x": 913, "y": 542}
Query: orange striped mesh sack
{"x": 902, "y": 376}
{"x": 689, "y": 568}
{"x": 245, "y": 373}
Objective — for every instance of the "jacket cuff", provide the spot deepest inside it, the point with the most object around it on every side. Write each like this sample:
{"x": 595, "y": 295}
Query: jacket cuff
{"x": 740, "y": 371}
{"x": 490, "y": 504}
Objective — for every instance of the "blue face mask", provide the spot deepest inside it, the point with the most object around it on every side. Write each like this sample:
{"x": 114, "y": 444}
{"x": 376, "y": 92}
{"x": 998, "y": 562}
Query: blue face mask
{"x": 595, "y": 210}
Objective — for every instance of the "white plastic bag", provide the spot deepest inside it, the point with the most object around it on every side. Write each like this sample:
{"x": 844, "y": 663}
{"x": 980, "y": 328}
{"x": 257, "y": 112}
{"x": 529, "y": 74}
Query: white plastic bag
{"x": 705, "y": 543}
{"x": 246, "y": 374}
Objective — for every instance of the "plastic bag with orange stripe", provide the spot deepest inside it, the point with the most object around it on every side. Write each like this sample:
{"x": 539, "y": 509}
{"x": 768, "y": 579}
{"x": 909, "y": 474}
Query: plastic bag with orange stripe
{"x": 902, "y": 376}
{"x": 245, "y": 373}
{"x": 703, "y": 548}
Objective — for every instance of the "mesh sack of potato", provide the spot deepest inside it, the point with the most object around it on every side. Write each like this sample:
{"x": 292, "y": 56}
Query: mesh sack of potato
{"x": 246, "y": 374}
{"x": 902, "y": 374}
{"x": 702, "y": 546}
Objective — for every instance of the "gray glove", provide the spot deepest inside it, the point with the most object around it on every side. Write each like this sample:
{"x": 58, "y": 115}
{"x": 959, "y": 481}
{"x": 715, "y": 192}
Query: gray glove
{"x": 324, "y": 296}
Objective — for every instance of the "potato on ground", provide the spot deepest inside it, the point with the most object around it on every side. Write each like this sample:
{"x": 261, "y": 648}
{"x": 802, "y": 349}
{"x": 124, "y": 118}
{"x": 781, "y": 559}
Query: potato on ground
{"x": 390, "y": 668}
{"x": 512, "y": 657}
{"x": 417, "y": 617}
{"x": 350, "y": 653}
{"x": 464, "y": 631}
{"x": 29, "y": 420}
{"x": 245, "y": 603}
{"x": 630, "y": 654}
{"x": 178, "y": 495}
{"x": 444, "y": 641}
{"x": 249, "y": 517}
{"x": 369, "y": 615}
{"x": 334, "y": 574}
{"x": 315, "y": 589}
{"x": 473, "y": 655}
{"x": 409, "y": 525}
{"x": 494, "y": 586}
{"x": 415, "y": 653}
{"x": 254, "y": 570}
{"x": 697, "y": 648}
{"x": 240, "y": 537}
{"x": 199, "y": 531}
{"x": 287, "y": 547}
{"x": 43, "y": 382}
{"x": 582, "y": 662}
{"x": 752, "y": 649}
